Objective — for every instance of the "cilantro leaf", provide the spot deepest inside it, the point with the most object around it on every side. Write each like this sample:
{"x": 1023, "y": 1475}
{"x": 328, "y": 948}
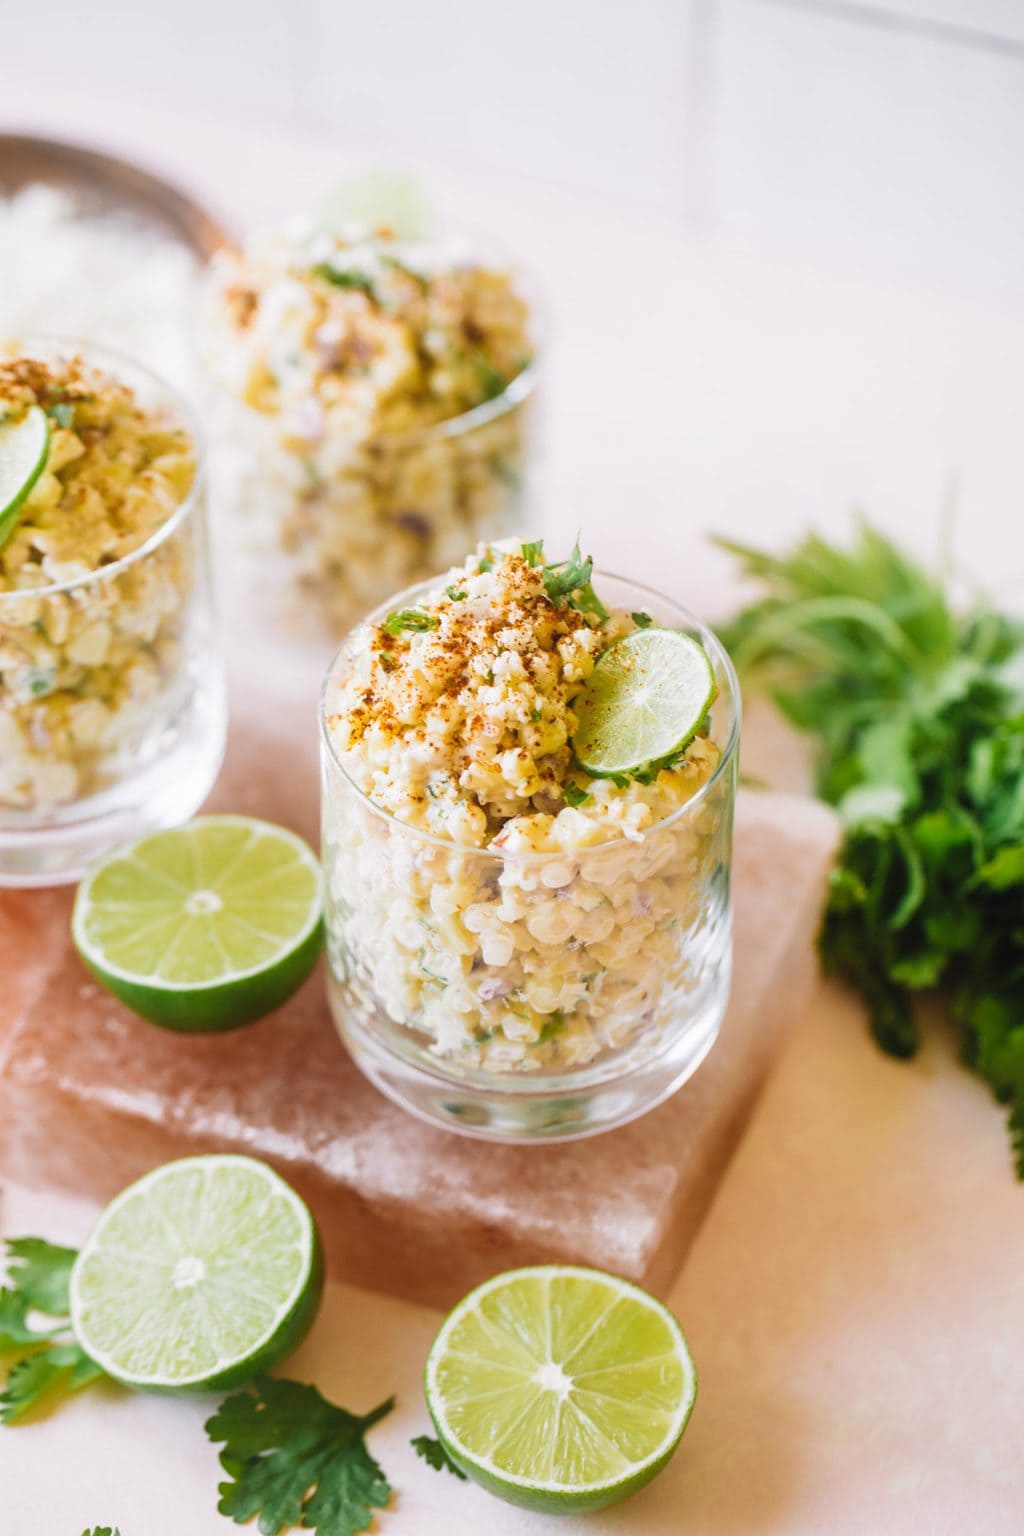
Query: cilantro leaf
{"x": 573, "y": 795}
{"x": 293, "y": 1458}
{"x": 568, "y": 581}
{"x": 41, "y": 1272}
{"x": 642, "y": 620}
{"x": 14, "y": 1327}
{"x": 416, "y": 619}
{"x": 454, "y": 594}
{"x": 35, "y": 1376}
{"x": 565, "y": 577}
{"x": 50, "y": 1359}
{"x": 341, "y": 277}
{"x": 491, "y": 381}
{"x": 102, "y": 1530}
{"x": 533, "y": 553}
{"x": 434, "y": 1454}
{"x": 1004, "y": 869}
{"x": 917, "y": 711}
{"x": 553, "y": 1025}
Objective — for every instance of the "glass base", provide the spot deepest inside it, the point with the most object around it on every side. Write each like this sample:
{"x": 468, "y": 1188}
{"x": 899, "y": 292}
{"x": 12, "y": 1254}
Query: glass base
{"x": 57, "y": 850}
{"x": 519, "y": 1108}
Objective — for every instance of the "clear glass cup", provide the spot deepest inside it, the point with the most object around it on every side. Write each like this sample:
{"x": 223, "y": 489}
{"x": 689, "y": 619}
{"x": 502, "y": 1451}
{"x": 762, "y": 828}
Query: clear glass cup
{"x": 112, "y": 703}
{"x": 625, "y": 947}
{"x": 326, "y": 528}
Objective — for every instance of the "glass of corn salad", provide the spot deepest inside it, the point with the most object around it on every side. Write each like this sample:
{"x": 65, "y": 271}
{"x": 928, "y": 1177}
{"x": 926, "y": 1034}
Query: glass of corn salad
{"x": 112, "y": 709}
{"x": 519, "y": 948}
{"x": 373, "y": 412}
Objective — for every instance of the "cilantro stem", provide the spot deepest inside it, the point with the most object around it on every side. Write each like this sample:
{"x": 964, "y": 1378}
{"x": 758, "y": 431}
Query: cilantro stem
{"x": 818, "y": 611}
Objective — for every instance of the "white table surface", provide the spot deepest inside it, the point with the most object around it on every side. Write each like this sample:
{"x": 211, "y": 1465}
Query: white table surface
{"x": 854, "y": 1301}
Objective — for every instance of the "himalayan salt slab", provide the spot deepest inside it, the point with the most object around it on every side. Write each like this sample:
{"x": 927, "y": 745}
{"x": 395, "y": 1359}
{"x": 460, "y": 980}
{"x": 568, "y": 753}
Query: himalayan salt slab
{"x": 91, "y": 1096}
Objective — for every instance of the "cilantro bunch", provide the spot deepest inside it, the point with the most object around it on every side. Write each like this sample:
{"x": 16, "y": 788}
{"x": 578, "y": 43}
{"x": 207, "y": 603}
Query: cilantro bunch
{"x": 917, "y": 710}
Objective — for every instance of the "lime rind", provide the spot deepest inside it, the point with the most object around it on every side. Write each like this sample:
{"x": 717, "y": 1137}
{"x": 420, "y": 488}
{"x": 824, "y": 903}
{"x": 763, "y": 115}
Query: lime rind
{"x": 645, "y": 701}
{"x": 136, "y": 1214}
{"x": 24, "y": 450}
{"x": 506, "y": 1382}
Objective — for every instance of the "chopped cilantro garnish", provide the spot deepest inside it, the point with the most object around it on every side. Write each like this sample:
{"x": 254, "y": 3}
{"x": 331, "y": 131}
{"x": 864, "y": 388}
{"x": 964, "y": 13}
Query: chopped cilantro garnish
{"x": 293, "y": 1458}
{"x": 484, "y": 564}
{"x": 63, "y": 413}
{"x": 569, "y": 581}
{"x": 341, "y": 278}
{"x": 536, "y": 713}
{"x": 416, "y": 619}
{"x": 587, "y": 601}
{"x": 454, "y": 594}
{"x": 573, "y": 795}
{"x": 492, "y": 382}
{"x": 650, "y": 771}
{"x": 642, "y": 620}
{"x": 435, "y": 1455}
{"x": 404, "y": 268}
{"x": 438, "y": 981}
{"x": 553, "y": 1025}
{"x": 533, "y": 553}
{"x": 41, "y": 681}
{"x": 565, "y": 577}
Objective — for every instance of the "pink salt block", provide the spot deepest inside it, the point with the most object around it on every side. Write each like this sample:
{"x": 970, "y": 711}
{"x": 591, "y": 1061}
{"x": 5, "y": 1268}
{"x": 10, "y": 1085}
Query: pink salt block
{"x": 91, "y": 1096}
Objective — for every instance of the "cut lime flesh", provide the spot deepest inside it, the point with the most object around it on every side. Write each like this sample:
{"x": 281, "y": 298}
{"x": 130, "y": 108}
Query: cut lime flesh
{"x": 203, "y": 1274}
{"x": 390, "y": 200}
{"x": 560, "y": 1389}
{"x": 204, "y": 927}
{"x": 645, "y": 700}
{"x": 24, "y": 448}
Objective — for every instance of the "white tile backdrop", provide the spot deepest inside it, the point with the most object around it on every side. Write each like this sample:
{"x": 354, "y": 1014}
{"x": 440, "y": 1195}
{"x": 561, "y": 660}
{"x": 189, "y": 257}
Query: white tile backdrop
{"x": 890, "y": 132}
{"x": 781, "y": 242}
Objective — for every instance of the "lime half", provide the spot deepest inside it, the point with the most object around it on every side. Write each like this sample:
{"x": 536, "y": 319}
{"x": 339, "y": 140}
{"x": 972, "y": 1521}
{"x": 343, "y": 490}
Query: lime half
{"x": 560, "y": 1389}
{"x": 24, "y": 446}
{"x": 645, "y": 700}
{"x": 204, "y": 927}
{"x": 393, "y": 200}
{"x": 203, "y": 1274}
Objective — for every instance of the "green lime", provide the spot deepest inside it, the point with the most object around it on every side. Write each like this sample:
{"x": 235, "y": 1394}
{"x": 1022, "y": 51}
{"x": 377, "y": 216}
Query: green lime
{"x": 644, "y": 700}
{"x": 203, "y": 927}
{"x": 24, "y": 446}
{"x": 392, "y": 200}
{"x": 560, "y": 1389}
{"x": 203, "y": 1274}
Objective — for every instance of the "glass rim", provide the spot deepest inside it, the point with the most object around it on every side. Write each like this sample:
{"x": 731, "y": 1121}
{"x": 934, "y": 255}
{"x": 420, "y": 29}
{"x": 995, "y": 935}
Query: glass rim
{"x": 81, "y": 346}
{"x": 720, "y": 658}
{"x": 516, "y": 393}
